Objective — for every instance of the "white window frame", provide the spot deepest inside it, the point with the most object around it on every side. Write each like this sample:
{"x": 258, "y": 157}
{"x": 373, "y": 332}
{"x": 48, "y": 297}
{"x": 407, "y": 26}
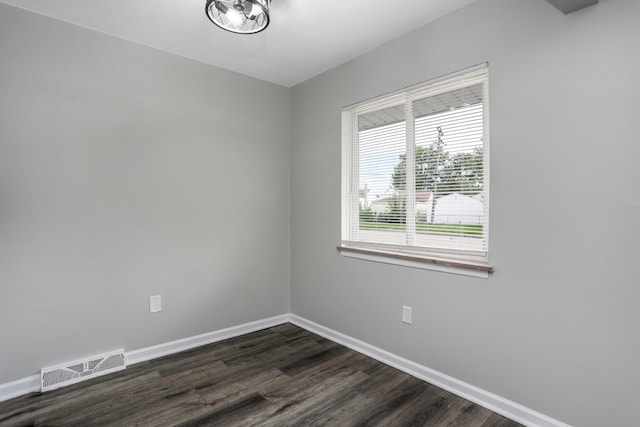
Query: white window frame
{"x": 472, "y": 264}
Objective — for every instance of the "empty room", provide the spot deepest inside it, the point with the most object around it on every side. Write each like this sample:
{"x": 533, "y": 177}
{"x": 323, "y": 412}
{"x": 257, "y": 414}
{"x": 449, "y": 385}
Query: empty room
{"x": 279, "y": 212}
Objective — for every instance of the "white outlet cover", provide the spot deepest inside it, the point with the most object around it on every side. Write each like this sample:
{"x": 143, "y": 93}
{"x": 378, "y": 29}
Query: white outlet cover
{"x": 155, "y": 304}
{"x": 406, "y": 314}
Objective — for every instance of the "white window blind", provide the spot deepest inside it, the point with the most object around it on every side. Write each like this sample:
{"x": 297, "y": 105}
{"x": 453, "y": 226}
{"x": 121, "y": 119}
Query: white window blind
{"x": 416, "y": 168}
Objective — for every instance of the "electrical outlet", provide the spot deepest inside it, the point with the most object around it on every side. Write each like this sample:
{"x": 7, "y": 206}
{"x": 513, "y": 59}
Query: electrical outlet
{"x": 155, "y": 304}
{"x": 406, "y": 314}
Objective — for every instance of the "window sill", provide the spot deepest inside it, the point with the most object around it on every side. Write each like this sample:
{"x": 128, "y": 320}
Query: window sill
{"x": 446, "y": 265}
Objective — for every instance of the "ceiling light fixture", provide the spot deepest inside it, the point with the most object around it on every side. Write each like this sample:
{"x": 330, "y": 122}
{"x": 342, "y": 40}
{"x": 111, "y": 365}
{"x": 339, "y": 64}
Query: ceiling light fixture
{"x": 239, "y": 16}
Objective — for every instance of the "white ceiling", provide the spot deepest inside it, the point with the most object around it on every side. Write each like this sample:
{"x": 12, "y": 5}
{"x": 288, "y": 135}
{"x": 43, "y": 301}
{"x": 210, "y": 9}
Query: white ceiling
{"x": 305, "y": 37}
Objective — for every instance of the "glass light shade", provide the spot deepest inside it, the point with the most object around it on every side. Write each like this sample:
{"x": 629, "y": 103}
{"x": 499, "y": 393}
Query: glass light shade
{"x": 236, "y": 18}
{"x": 239, "y": 16}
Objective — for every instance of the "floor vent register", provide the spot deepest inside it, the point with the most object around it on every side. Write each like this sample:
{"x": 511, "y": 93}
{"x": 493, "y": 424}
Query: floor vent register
{"x": 73, "y": 372}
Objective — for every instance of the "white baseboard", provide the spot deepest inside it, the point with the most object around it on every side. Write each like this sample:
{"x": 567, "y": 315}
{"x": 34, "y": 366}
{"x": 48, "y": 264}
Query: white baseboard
{"x": 495, "y": 403}
{"x": 148, "y": 353}
{"x": 31, "y": 384}
{"x": 19, "y": 387}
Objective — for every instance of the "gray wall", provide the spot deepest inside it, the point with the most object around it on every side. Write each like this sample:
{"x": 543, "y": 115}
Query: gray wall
{"x": 120, "y": 167}
{"x": 555, "y": 328}
{"x": 126, "y": 172}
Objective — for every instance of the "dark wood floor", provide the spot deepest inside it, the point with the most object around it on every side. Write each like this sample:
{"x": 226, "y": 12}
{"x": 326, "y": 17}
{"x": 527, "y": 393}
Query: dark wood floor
{"x": 282, "y": 376}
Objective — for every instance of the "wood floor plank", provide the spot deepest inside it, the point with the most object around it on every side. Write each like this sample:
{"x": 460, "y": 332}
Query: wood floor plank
{"x": 291, "y": 407}
{"x": 497, "y": 420}
{"x": 281, "y": 376}
{"x": 385, "y": 406}
{"x": 343, "y": 408}
{"x": 419, "y": 410}
{"x": 230, "y": 414}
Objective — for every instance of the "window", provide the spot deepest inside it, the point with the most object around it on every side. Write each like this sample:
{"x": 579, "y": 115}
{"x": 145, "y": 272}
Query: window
{"x": 415, "y": 184}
